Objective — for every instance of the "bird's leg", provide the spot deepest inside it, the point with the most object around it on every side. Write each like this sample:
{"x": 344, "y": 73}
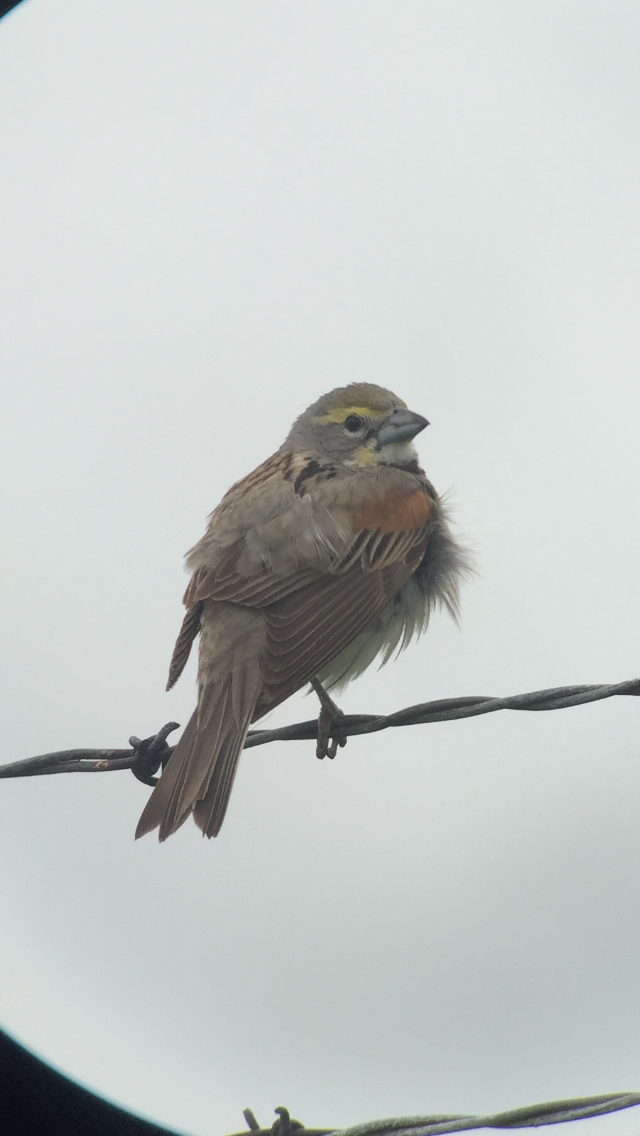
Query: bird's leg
{"x": 327, "y": 746}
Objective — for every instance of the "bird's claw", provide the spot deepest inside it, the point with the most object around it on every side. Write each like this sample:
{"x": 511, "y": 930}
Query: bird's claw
{"x": 329, "y": 735}
{"x": 151, "y": 753}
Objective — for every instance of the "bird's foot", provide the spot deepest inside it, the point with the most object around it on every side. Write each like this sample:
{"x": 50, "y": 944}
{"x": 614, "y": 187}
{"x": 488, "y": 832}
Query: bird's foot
{"x": 151, "y": 753}
{"x": 329, "y": 736}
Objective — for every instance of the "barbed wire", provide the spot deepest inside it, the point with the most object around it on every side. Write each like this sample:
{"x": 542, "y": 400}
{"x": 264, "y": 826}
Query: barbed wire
{"x": 532, "y": 1116}
{"x": 145, "y": 757}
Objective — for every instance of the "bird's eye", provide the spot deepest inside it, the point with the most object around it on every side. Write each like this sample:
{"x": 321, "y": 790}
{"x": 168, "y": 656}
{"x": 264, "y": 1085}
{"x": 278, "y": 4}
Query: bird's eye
{"x": 353, "y": 423}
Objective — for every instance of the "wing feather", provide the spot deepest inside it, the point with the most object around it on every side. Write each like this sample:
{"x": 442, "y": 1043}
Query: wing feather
{"x": 308, "y": 629}
{"x": 259, "y": 590}
{"x": 188, "y": 632}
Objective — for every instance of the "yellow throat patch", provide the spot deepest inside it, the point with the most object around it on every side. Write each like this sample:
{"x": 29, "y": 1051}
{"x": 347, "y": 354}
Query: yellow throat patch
{"x": 364, "y": 456}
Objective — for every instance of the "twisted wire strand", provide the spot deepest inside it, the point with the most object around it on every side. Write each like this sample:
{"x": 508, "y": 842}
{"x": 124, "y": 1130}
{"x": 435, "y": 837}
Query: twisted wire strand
{"x": 532, "y": 1116}
{"x": 155, "y": 750}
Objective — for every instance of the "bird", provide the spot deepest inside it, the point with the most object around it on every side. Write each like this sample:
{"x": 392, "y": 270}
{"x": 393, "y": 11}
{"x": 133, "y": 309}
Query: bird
{"x": 331, "y": 553}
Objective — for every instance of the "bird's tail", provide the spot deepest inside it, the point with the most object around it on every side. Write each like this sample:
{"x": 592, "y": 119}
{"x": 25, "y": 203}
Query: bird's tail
{"x": 199, "y": 775}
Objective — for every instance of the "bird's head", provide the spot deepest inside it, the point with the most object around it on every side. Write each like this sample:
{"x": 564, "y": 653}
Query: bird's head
{"x": 360, "y": 426}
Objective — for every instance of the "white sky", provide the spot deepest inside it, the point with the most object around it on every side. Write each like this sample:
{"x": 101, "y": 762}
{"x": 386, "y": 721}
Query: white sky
{"x": 211, "y": 213}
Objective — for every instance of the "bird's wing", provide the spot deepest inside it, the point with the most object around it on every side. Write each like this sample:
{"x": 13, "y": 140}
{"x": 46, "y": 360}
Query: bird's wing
{"x": 310, "y": 627}
{"x": 322, "y": 562}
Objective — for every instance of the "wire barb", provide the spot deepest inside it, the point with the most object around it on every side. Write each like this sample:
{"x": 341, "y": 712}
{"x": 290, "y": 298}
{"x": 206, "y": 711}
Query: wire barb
{"x": 145, "y": 757}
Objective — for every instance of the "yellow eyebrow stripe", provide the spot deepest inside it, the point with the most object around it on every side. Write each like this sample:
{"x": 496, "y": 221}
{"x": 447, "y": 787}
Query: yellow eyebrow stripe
{"x": 342, "y": 412}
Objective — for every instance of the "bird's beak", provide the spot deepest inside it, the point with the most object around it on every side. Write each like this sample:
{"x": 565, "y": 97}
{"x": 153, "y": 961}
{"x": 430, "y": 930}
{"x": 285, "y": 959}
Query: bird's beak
{"x": 401, "y": 426}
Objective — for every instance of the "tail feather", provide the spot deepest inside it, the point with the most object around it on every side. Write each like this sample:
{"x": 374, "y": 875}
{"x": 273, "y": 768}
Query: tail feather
{"x": 200, "y": 759}
{"x": 199, "y": 775}
{"x": 155, "y": 807}
{"x": 209, "y": 812}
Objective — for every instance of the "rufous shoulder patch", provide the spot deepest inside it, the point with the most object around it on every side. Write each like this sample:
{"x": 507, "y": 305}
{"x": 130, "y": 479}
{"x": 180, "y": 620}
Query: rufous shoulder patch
{"x": 395, "y": 511}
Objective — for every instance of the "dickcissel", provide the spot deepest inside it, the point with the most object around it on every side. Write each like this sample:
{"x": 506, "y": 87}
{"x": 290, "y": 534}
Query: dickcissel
{"x": 332, "y": 552}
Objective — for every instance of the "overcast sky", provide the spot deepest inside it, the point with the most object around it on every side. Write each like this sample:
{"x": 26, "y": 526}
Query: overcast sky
{"x": 211, "y": 213}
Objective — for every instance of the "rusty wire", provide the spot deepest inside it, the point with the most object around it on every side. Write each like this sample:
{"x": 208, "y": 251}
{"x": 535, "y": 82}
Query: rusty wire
{"x": 145, "y": 757}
